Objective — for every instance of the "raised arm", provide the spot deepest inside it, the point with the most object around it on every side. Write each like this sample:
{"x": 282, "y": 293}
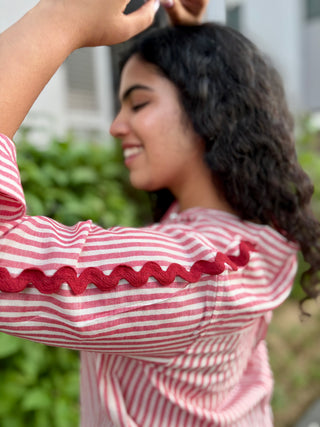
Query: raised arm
{"x": 33, "y": 49}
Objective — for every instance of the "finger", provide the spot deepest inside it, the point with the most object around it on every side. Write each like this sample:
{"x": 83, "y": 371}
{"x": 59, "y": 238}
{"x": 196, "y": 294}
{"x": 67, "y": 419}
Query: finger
{"x": 140, "y": 19}
{"x": 167, "y": 3}
{"x": 185, "y": 12}
{"x": 177, "y": 13}
{"x": 196, "y": 7}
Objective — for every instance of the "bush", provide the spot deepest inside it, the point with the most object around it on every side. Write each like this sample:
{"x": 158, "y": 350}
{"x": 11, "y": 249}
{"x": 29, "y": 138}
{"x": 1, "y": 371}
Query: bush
{"x": 39, "y": 384}
{"x": 308, "y": 149}
{"x": 69, "y": 182}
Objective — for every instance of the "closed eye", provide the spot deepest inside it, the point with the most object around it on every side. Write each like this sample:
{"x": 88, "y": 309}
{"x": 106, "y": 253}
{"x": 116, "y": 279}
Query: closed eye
{"x": 138, "y": 107}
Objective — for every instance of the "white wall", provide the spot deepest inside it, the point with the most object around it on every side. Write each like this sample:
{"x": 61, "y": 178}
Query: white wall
{"x": 12, "y": 10}
{"x": 48, "y": 114}
{"x": 311, "y": 64}
{"x": 280, "y": 36}
{"x": 216, "y": 11}
{"x": 275, "y": 26}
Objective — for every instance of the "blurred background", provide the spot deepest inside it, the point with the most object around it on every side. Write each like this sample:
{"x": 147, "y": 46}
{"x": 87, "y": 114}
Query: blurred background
{"x": 81, "y": 98}
{"x": 80, "y": 175}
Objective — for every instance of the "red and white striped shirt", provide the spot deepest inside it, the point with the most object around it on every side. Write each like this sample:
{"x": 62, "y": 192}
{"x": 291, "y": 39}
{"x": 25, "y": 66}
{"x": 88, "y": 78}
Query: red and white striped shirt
{"x": 170, "y": 319}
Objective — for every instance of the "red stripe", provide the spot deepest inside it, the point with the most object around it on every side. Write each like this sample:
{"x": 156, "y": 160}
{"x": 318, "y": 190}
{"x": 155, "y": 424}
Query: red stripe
{"x": 189, "y": 354}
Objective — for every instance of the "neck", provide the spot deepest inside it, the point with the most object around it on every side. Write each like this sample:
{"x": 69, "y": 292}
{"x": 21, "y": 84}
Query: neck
{"x": 200, "y": 191}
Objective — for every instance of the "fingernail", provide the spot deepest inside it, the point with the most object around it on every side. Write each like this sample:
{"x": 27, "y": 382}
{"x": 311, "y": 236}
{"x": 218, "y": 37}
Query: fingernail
{"x": 167, "y": 3}
{"x": 156, "y": 5}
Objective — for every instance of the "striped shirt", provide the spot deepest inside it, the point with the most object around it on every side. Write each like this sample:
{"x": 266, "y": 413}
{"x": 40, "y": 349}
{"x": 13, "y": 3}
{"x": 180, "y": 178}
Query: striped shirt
{"x": 170, "y": 319}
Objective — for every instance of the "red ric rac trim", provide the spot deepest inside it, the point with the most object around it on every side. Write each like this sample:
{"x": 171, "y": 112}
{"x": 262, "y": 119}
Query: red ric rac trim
{"x": 78, "y": 284}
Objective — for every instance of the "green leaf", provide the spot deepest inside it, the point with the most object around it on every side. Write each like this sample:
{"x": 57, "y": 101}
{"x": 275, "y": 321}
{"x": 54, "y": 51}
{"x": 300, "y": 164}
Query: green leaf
{"x": 8, "y": 345}
{"x": 37, "y": 398}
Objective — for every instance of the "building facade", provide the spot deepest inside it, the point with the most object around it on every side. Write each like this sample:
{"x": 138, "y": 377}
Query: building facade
{"x": 81, "y": 96}
{"x": 289, "y": 32}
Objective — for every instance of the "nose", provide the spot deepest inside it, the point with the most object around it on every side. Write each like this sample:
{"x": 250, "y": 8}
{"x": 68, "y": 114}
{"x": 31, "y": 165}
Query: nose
{"x": 119, "y": 127}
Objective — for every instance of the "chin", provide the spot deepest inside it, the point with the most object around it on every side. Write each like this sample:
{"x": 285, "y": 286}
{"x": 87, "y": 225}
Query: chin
{"x": 149, "y": 187}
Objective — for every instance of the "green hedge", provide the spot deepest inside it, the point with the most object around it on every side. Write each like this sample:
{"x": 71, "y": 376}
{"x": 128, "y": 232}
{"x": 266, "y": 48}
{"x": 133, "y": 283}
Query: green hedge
{"x": 39, "y": 385}
{"x": 308, "y": 148}
{"x": 70, "y": 181}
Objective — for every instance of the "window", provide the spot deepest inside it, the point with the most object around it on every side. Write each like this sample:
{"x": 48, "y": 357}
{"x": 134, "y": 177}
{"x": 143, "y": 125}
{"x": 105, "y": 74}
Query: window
{"x": 234, "y": 17}
{"x": 312, "y": 9}
{"x": 81, "y": 81}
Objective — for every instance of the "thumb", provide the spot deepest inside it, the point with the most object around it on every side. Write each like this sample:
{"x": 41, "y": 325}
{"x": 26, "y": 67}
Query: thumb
{"x": 175, "y": 11}
{"x": 141, "y": 19}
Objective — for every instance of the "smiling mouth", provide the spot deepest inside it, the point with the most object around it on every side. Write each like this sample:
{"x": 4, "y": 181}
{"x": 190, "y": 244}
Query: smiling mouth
{"x": 130, "y": 152}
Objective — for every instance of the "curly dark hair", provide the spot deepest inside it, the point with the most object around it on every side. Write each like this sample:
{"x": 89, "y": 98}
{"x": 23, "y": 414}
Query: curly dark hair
{"x": 235, "y": 100}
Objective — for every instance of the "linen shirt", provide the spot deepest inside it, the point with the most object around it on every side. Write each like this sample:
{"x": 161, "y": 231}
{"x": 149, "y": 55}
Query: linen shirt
{"x": 170, "y": 319}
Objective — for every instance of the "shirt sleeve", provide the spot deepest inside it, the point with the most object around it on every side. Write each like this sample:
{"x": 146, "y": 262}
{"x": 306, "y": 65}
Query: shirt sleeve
{"x": 12, "y": 202}
{"x": 115, "y": 290}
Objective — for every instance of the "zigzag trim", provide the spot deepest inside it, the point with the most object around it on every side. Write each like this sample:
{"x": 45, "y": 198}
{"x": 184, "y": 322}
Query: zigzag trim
{"x": 78, "y": 284}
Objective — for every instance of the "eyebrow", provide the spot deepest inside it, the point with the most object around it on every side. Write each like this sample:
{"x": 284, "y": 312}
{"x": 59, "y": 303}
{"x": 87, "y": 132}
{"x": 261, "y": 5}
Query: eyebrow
{"x": 132, "y": 88}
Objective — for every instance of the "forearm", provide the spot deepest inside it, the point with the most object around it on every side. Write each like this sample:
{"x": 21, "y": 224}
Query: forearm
{"x": 34, "y": 48}
{"x": 30, "y": 53}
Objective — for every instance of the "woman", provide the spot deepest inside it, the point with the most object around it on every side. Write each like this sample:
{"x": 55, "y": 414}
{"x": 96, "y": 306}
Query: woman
{"x": 171, "y": 318}
{"x": 236, "y": 105}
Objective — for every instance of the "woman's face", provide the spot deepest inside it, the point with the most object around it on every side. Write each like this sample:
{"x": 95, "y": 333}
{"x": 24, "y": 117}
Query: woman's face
{"x": 161, "y": 149}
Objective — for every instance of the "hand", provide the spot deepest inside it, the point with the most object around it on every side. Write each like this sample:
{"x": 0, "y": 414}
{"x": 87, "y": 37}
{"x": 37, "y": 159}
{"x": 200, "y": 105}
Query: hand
{"x": 185, "y": 12}
{"x": 32, "y": 49}
{"x": 100, "y": 22}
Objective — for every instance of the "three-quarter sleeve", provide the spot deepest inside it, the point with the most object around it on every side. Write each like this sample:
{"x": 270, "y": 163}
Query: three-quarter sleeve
{"x": 85, "y": 287}
{"x": 162, "y": 314}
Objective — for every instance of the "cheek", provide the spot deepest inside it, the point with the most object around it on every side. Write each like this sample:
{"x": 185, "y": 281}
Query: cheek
{"x": 147, "y": 125}
{"x": 171, "y": 130}
{"x": 164, "y": 132}
{"x": 164, "y": 116}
